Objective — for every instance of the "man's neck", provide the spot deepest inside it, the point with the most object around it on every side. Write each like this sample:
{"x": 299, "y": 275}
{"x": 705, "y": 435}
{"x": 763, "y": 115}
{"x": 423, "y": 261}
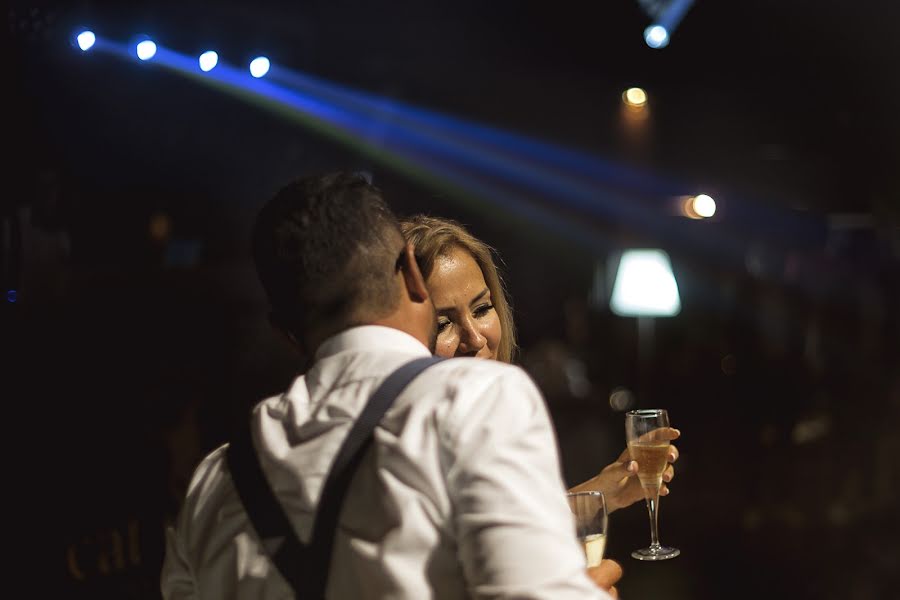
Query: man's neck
{"x": 406, "y": 323}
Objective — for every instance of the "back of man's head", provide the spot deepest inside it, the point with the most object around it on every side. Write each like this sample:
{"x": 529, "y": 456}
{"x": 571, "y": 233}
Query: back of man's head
{"x": 326, "y": 250}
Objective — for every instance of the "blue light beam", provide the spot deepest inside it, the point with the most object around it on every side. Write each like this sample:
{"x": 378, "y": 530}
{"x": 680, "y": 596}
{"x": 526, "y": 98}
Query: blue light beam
{"x": 667, "y": 16}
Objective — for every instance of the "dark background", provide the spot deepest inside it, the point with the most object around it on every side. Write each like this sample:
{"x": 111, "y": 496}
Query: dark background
{"x": 138, "y": 337}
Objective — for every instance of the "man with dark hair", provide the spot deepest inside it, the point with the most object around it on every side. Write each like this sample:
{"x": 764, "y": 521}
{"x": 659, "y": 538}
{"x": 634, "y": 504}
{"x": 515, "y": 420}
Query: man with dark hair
{"x": 322, "y": 247}
{"x": 459, "y": 494}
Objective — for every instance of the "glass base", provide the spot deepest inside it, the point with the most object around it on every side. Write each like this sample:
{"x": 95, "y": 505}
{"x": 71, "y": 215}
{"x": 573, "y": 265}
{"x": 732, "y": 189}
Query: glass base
{"x": 656, "y": 553}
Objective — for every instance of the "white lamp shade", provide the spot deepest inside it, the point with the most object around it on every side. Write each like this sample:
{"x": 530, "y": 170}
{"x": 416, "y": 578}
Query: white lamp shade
{"x": 645, "y": 285}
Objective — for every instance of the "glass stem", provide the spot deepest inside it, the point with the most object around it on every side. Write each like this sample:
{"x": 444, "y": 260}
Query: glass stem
{"x": 653, "y": 509}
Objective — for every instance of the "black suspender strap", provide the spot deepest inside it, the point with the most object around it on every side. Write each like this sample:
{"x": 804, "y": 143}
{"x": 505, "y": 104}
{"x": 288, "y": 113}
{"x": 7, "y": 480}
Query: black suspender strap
{"x": 305, "y": 567}
{"x": 273, "y": 529}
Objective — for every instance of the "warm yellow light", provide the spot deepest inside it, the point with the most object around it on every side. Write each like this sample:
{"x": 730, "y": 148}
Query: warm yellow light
{"x": 635, "y": 97}
{"x": 687, "y": 208}
{"x": 700, "y": 206}
{"x": 704, "y": 206}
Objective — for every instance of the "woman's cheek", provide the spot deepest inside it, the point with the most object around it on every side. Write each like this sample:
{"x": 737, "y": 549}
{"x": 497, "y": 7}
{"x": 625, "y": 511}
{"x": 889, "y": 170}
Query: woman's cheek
{"x": 494, "y": 333}
{"x": 445, "y": 347}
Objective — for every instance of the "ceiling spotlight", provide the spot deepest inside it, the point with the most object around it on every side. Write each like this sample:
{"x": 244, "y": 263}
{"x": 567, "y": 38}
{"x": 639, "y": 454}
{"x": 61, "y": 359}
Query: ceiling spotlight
{"x": 259, "y": 66}
{"x": 86, "y": 40}
{"x": 700, "y": 206}
{"x": 635, "y": 97}
{"x": 146, "y": 50}
{"x": 664, "y": 15}
{"x": 208, "y": 61}
{"x": 656, "y": 36}
{"x": 704, "y": 206}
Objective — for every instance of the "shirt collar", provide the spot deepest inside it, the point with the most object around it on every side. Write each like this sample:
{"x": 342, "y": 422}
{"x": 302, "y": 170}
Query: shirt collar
{"x": 371, "y": 337}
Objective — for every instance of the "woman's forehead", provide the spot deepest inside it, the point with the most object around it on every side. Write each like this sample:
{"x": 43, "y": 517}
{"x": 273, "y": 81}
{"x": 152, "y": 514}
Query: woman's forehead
{"x": 456, "y": 277}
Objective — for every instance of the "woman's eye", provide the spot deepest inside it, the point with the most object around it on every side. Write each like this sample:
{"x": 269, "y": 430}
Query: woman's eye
{"x": 442, "y": 325}
{"x": 483, "y": 310}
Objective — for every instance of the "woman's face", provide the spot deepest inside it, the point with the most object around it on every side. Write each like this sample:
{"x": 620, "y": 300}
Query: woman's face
{"x": 467, "y": 322}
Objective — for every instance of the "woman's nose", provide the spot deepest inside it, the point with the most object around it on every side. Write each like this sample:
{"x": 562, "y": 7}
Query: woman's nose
{"x": 470, "y": 340}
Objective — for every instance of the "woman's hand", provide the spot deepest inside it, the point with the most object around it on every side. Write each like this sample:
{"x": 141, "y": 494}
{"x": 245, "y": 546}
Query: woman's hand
{"x": 619, "y": 483}
{"x": 606, "y": 575}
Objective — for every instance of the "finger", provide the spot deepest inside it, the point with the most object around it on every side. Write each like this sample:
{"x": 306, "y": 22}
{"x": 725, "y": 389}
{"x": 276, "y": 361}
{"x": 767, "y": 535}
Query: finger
{"x": 667, "y": 433}
{"x": 663, "y": 490}
{"x": 623, "y": 471}
{"x": 663, "y": 434}
{"x": 673, "y": 453}
{"x": 669, "y": 474}
{"x": 613, "y": 592}
{"x": 624, "y": 465}
{"x": 606, "y": 574}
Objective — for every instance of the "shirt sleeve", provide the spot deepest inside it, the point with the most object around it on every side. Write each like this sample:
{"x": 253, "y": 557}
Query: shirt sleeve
{"x": 176, "y": 581}
{"x": 513, "y": 526}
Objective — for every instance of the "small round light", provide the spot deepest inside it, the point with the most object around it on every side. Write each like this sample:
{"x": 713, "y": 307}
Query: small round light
{"x": 635, "y": 97}
{"x": 704, "y": 206}
{"x": 146, "y": 50}
{"x": 12, "y": 296}
{"x": 208, "y": 61}
{"x": 656, "y": 36}
{"x": 621, "y": 399}
{"x": 86, "y": 39}
{"x": 259, "y": 66}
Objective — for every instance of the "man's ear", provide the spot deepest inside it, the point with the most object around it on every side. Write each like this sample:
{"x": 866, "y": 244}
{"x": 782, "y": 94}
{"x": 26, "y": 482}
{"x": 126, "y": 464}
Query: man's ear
{"x": 412, "y": 276}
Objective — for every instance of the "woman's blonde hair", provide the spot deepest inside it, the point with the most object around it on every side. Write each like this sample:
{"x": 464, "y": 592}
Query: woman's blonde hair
{"x": 432, "y": 237}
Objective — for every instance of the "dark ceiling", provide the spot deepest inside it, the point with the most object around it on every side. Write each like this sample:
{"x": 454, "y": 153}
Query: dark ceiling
{"x": 794, "y": 102}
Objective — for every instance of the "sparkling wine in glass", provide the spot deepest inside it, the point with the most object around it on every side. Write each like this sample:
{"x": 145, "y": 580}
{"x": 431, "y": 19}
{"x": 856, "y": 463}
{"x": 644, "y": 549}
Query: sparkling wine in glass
{"x": 648, "y": 433}
{"x": 591, "y": 518}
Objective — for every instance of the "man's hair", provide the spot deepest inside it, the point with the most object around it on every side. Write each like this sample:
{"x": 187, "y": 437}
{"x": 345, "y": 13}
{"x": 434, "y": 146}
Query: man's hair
{"x": 432, "y": 237}
{"x": 326, "y": 249}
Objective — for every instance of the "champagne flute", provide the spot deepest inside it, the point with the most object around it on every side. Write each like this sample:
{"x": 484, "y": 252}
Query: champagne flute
{"x": 646, "y": 432}
{"x": 591, "y": 520}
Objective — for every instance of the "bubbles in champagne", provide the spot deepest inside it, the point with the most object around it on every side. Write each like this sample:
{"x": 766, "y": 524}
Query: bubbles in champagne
{"x": 651, "y": 459}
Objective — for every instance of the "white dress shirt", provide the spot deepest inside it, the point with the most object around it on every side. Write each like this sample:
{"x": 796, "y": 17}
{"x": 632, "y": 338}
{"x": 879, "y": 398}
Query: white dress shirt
{"x": 462, "y": 496}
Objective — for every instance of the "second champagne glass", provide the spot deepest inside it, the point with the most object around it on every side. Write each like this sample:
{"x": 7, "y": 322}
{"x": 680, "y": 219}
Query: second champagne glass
{"x": 647, "y": 433}
{"x": 589, "y": 509}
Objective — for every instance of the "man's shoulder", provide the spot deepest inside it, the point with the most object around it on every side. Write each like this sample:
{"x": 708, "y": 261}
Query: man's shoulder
{"x": 480, "y": 369}
{"x": 208, "y": 473}
{"x": 475, "y": 376}
{"x": 467, "y": 389}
